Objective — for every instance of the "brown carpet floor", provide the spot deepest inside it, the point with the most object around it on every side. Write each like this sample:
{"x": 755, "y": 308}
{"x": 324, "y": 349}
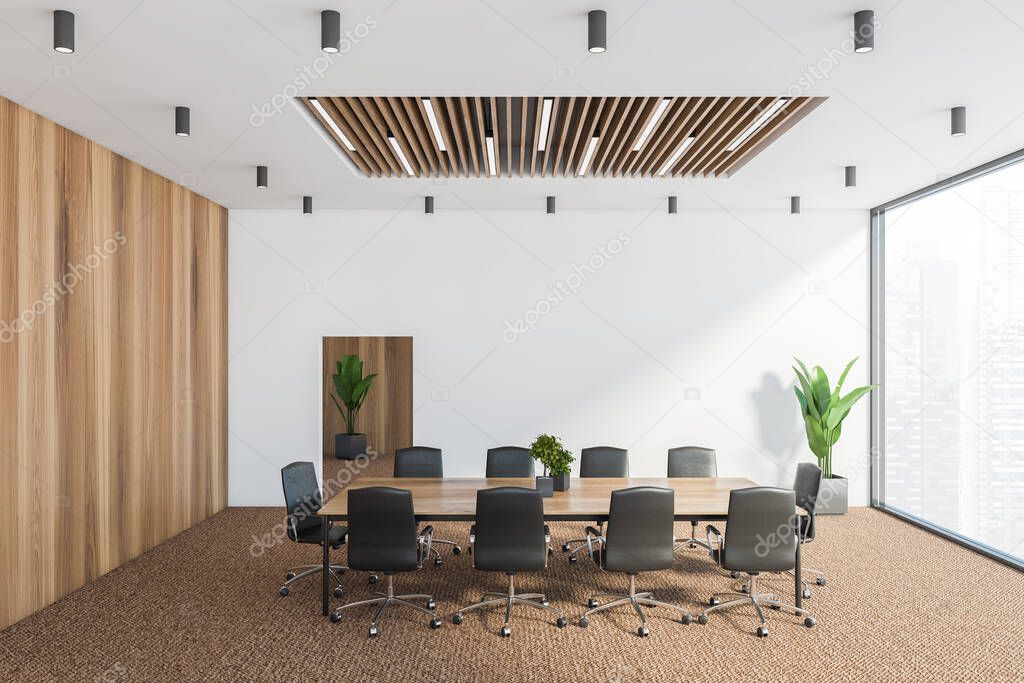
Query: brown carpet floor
{"x": 900, "y": 604}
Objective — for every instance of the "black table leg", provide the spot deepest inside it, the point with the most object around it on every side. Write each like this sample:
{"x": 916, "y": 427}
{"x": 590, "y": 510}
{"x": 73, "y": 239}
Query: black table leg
{"x": 798, "y": 575}
{"x": 327, "y": 565}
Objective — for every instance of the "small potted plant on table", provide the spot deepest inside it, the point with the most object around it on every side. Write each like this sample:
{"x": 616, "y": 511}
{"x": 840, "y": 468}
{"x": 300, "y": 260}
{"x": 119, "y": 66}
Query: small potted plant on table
{"x": 352, "y": 389}
{"x": 556, "y": 459}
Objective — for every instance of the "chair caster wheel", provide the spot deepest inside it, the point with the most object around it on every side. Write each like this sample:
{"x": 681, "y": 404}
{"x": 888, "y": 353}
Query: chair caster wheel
{"x": 687, "y": 619}
{"x": 456, "y": 550}
{"x": 584, "y": 622}
{"x": 435, "y": 623}
{"x": 745, "y": 588}
{"x": 431, "y": 604}
{"x": 335, "y": 617}
{"x": 807, "y": 593}
{"x": 775, "y": 607}
{"x": 734, "y": 575}
{"x": 692, "y": 545}
{"x": 762, "y": 632}
{"x": 284, "y": 591}
{"x": 545, "y": 602}
{"x": 505, "y": 631}
{"x": 572, "y": 558}
{"x": 289, "y": 576}
{"x": 714, "y": 601}
{"x": 374, "y": 578}
{"x": 372, "y": 632}
{"x": 565, "y": 547}
{"x": 820, "y": 581}
{"x": 438, "y": 561}
{"x": 809, "y": 622}
{"x": 561, "y": 622}
{"x": 337, "y": 591}
{"x": 456, "y": 618}
{"x": 592, "y": 603}
{"x": 702, "y": 619}
{"x": 643, "y": 631}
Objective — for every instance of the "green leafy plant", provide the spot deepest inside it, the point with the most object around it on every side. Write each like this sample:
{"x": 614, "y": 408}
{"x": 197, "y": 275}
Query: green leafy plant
{"x": 550, "y": 452}
{"x": 352, "y": 389}
{"x": 824, "y": 409}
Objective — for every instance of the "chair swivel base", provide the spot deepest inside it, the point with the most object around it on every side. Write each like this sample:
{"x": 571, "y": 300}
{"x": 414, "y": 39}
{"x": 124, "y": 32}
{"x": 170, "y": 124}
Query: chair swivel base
{"x": 691, "y": 542}
{"x": 637, "y": 600}
{"x": 436, "y": 554}
{"x": 492, "y": 599}
{"x": 385, "y": 600}
{"x": 757, "y": 600}
{"x": 296, "y": 573}
{"x": 819, "y": 579}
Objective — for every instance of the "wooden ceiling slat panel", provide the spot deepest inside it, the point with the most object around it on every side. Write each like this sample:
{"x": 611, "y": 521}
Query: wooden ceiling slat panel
{"x": 463, "y": 121}
{"x": 451, "y": 105}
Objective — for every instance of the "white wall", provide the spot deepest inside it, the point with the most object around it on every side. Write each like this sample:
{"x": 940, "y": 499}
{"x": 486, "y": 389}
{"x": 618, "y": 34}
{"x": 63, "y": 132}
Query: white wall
{"x": 682, "y": 333}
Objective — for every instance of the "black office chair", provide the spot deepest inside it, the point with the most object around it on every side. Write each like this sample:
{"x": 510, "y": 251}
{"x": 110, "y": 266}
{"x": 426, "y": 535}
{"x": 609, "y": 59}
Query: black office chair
{"x": 509, "y": 536}
{"x": 598, "y": 462}
{"x": 639, "y": 538}
{"x": 382, "y": 538}
{"x": 689, "y": 462}
{"x": 302, "y": 498}
{"x": 423, "y": 461}
{"x": 509, "y": 461}
{"x": 759, "y": 538}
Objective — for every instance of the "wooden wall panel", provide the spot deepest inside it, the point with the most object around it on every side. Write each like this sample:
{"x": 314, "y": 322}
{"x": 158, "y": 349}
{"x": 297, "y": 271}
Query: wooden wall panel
{"x": 113, "y": 349}
{"x": 386, "y": 416}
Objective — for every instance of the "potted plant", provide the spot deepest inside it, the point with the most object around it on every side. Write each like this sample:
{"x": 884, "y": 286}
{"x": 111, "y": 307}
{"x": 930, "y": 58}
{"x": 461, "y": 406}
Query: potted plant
{"x": 351, "y": 388}
{"x": 550, "y": 452}
{"x": 824, "y": 410}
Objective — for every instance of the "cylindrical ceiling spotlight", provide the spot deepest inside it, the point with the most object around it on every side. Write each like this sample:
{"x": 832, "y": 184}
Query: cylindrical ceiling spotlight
{"x": 182, "y": 122}
{"x": 597, "y": 30}
{"x": 794, "y": 205}
{"x": 551, "y": 203}
{"x": 63, "y": 31}
{"x": 958, "y": 121}
{"x": 261, "y": 177}
{"x": 864, "y": 30}
{"x": 673, "y": 204}
{"x": 851, "y": 176}
{"x": 428, "y": 204}
{"x": 330, "y": 31}
{"x": 307, "y": 204}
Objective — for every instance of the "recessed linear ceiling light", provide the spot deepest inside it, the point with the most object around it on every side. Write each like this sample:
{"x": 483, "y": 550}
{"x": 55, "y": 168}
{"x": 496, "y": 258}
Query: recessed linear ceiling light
{"x": 585, "y": 164}
{"x": 400, "y": 154}
{"x": 765, "y": 116}
{"x": 432, "y": 118}
{"x": 330, "y": 123}
{"x": 676, "y": 154}
{"x": 489, "y": 138}
{"x": 63, "y": 31}
{"x": 649, "y": 128}
{"x": 545, "y": 121}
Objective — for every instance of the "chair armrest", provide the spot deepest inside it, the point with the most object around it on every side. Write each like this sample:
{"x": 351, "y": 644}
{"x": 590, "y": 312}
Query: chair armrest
{"x": 715, "y": 543}
{"x": 424, "y": 537}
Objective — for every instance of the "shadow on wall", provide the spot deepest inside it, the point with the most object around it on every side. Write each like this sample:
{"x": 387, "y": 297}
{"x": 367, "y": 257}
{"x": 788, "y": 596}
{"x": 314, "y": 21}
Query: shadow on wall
{"x": 781, "y": 432}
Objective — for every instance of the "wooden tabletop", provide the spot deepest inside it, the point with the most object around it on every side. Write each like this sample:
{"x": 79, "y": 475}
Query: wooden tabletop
{"x": 587, "y": 499}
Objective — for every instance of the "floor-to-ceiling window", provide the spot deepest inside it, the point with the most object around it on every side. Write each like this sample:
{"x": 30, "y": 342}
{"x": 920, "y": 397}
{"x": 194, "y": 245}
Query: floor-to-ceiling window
{"x": 949, "y": 321}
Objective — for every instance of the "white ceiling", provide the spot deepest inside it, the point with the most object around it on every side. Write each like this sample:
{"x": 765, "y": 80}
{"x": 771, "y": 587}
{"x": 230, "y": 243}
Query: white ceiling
{"x": 888, "y": 111}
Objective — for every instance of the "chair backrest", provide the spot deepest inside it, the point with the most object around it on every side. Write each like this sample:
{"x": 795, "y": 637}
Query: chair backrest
{"x": 509, "y": 530}
{"x": 604, "y": 461}
{"x": 692, "y": 461}
{"x": 509, "y": 461}
{"x": 419, "y": 461}
{"x": 302, "y": 497}
{"x": 381, "y": 530}
{"x": 759, "y": 534}
{"x": 640, "y": 536}
{"x": 806, "y": 485}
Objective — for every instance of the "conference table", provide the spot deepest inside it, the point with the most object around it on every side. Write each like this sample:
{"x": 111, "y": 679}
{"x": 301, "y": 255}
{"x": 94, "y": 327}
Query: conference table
{"x": 454, "y": 500}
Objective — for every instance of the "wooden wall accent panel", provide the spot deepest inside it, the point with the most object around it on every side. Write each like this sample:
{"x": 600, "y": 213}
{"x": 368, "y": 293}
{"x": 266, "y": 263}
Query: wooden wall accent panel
{"x": 386, "y": 416}
{"x": 715, "y": 123}
{"x": 113, "y": 349}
